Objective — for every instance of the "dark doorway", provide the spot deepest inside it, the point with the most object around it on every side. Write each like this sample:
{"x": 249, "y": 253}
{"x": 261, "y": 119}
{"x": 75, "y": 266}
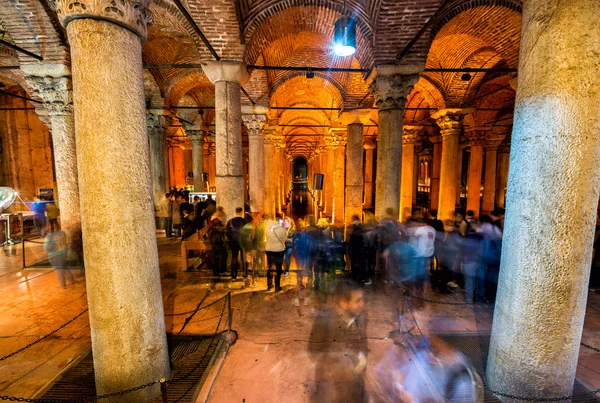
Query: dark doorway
{"x": 300, "y": 172}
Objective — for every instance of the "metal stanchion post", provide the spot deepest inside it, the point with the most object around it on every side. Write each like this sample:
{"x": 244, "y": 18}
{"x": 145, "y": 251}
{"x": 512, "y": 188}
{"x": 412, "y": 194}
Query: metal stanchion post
{"x": 23, "y": 252}
{"x": 163, "y": 390}
{"x": 229, "y": 312}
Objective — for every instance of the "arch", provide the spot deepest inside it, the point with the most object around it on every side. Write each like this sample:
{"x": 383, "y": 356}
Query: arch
{"x": 460, "y": 6}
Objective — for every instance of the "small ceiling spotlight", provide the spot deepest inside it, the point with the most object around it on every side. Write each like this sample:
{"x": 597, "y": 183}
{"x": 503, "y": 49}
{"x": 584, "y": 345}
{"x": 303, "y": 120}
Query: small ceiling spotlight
{"x": 344, "y": 37}
{"x": 465, "y": 77}
{"x": 310, "y": 74}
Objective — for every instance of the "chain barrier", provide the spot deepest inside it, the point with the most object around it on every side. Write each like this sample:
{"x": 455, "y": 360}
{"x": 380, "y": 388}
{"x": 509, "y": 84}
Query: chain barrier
{"x": 162, "y": 381}
{"x": 590, "y": 347}
{"x": 439, "y": 302}
{"x": 43, "y": 337}
{"x": 495, "y": 392}
{"x": 197, "y": 309}
{"x": 37, "y": 242}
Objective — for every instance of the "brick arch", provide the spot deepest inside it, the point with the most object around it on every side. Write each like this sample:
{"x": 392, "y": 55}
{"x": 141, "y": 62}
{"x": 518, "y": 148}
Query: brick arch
{"x": 318, "y": 75}
{"x": 281, "y": 22}
{"x": 460, "y": 6}
{"x": 27, "y": 19}
{"x": 184, "y": 82}
{"x": 504, "y": 98}
{"x": 431, "y": 91}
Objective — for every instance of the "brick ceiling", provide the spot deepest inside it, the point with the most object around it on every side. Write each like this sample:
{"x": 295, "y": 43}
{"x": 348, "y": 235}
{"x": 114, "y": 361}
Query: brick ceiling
{"x": 469, "y": 33}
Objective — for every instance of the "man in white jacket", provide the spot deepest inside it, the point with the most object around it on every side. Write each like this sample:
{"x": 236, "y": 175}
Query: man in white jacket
{"x": 275, "y": 248}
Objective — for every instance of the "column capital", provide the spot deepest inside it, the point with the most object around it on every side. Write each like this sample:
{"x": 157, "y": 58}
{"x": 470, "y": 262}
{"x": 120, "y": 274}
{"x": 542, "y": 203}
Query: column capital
{"x": 356, "y": 116}
{"x": 504, "y": 148}
{"x": 133, "y": 15}
{"x": 254, "y": 123}
{"x": 493, "y": 142}
{"x": 206, "y": 149}
{"x": 157, "y": 123}
{"x": 370, "y": 143}
{"x": 226, "y": 70}
{"x": 477, "y": 135}
{"x": 410, "y": 134}
{"x": 450, "y": 120}
{"x": 391, "y": 85}
{"x": 56, "y": 92}
{"x": 435, "y": 139}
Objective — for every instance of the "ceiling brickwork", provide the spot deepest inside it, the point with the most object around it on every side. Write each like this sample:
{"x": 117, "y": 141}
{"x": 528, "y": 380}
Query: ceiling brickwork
{"x": 298, "y": 33}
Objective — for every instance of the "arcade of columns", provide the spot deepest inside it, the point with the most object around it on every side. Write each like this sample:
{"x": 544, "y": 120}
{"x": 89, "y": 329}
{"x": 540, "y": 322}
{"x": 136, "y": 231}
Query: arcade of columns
{"x": 96, "y": 123}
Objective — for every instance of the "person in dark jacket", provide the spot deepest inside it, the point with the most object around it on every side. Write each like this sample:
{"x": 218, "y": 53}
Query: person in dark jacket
{"x": 234, "y": 226}
{"x": 216, "y": 236}
{"x": 355, "y": 246}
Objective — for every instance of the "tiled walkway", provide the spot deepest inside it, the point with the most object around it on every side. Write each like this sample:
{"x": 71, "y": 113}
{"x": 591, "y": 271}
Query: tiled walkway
{"x": 273, "y": 333}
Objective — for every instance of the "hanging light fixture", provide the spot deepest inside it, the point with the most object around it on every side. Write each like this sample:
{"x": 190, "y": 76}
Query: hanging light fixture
{"x": 344, "y": 35}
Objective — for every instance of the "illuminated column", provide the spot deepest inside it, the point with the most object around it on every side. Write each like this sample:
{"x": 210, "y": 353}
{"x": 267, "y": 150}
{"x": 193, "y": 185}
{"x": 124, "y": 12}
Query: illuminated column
{"x": 228, "y": 77}
{"x": 489, "y": 185}
{"x": 330, "y": 145}
{"x": 157, "y": 126}
{"x": 390, "y": 88}
{"x": 339, "y": 177}
{"x": 553, "y": 189}
{"x": 194, "y": 132}
{"x": 256, "y": 176}
{"x": 52, "y": 84}
{"x": 407, "y": 185}
{"x": 122, "y": 274}
{"x": 477, "y": 137}
{"x": 436, "y": 164}
{"x": 212, "y": 165}
{"x": 245, "y": 151}
{"x": 354, "y": 164}
{"x": 269, "y": 166}
{"x": 369, "y": 146}
{"x": 502, "y": 174}
{"x": 450, "y": 122}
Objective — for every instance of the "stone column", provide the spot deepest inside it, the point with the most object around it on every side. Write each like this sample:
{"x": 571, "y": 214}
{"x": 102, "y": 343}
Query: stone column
{"x": 354, "y": 164}
{"x": 228, "y": 77}
{"x": 157, "y": 123}
{"x": 267, "y": 183}
{"x": 489, "y": 184}
{"x": 553, "y": 190}
{"x": 52, "y": 84}
{"x": 450, "y": 122}
{"x": 339, "y": 179}
{"x": 212, "y": 165}
{"x": 390, "y": 88}
{"x": 122, "y": 273}
{"x": 436, "y": 165}
{"x": 276, "y": 170}
{"x": 477, "y": 137}
{"x": 369, "y": 146}
{"x": 502, "y": 174}
{"x": 330, "y": 145}
{"x": 407, "y": 185}
{"x": 256, "y": 175}
{"x": 194, "y": 132}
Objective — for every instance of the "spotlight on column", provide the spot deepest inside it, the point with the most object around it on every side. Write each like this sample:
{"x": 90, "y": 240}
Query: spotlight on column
{"x": 465, "y": 77}
{"x": 344, "y": 37}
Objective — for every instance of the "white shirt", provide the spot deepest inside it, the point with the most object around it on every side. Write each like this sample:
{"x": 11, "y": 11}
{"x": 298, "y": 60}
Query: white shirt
{"x": 423, "y": 240}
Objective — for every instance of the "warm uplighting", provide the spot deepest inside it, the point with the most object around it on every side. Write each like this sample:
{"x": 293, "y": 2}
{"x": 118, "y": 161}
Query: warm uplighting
{"x": 344, "y": 40}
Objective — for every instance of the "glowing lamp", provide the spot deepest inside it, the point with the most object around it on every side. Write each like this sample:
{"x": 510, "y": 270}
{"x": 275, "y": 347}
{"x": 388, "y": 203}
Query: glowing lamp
{"x": 344, "y": 37}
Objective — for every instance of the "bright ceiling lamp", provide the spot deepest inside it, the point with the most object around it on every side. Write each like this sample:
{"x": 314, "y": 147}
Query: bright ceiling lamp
{"x": 344, "y": 37}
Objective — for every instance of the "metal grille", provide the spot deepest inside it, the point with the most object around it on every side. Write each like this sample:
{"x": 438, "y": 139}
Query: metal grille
{"x": 188, "y": 372}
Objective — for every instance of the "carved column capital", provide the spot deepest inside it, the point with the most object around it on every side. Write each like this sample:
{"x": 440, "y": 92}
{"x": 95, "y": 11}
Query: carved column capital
{"x": 133, "y": 15}
{"x": 195, "y": 136}
{"x": 254, "y": 123}
{"x": 157, "y": 123}
{"x": 391, "y": 91}
{"x": 493, "y": 142}
{"x": 477, "y": 135}
{"x": 56, "y": 92}
{"x": 370, "y": 143}
{"x": 504, "y": 148}
{"x": 450, "y": 120}
{"x": 226, "y": 70}
{"x": 206, "y": 149}
{"x": 410, "y": 134}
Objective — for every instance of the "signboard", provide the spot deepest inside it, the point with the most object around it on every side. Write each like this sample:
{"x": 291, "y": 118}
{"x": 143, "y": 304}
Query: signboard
{"x": 203, "y": 196}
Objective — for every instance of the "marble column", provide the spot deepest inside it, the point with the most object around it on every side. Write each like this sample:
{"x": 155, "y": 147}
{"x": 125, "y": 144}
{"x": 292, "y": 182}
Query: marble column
{"x": 410, "y": 137}
{"x": 502, "y": 174}
{"x": 450, "y": 123}
{"x": 390, "y": 88}
{"x": 489, "y": 184}
{"x": 339, "y": 180}
{"x": 212, "y": 165}
{"x": 113, "y": 158}
{"x": 436, "y": 165}
{"x": 369, "y": 146}
{"x": 52, "y": 84}
{"x": 157, "y": 123}
{"x": 477, "y": 138}
{"x": 354, "y": 165}
{"x": 256, "y": 175}
{"x": 228, "y": 77}
{"x": 276, "y": 170}
{"x": 552, "y": 200}
{"x": 194, "y": 132}
{"x": 267, "y": 183}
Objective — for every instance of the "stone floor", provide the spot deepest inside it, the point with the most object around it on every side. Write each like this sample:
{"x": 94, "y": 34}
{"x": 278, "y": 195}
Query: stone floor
{"x": 269, "y": 362}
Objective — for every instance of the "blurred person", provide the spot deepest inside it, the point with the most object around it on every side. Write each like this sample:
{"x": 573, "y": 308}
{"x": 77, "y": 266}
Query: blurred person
{"x": 196, "y": 201}
{"x": 189, "y": 226}
{"x": 216, "y": 236}
{"x": 497, "y": 216}
{"x": 422, "y": 239}
{"x": 338, "y": 347}
{"x": 424, "y": 368}
{"x": 472, "y": 257}
{"x": 449, "y": 254}
{"x": 492, "y": 251}
{"x": 356, "y": 243}
{"x": 185, "y": 207}
{"x": 234, "y": 226}
{"x": 52, "y": 213}
{"x": 416, "y": 215}
{"x": 165, "y": 208}
{"x": 275, "y": 247}
{"x": 55, "y": 245}
{"x": 176, "y": 216}
{"x": 324, "y": 253}
{"x": 303, "y": 256}
{"x": 210, "y": 209}
{"x": 461, "y": 223}
{"x": 39, "y": 219}
{"x": 371, "y": 246}
{"x": 389, "y": 231}
{"x": 199, "y": 210}
{"x": 260, "y": 243}
{"x": 247, "y": 243}
{"x": 439, "y": 274}
{"x": 289, "y": 245}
